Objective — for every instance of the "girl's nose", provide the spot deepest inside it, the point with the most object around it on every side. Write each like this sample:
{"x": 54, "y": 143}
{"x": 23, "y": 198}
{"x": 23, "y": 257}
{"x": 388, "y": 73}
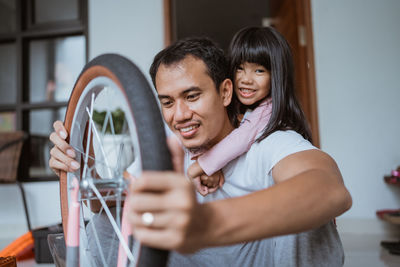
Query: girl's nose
{"x": 246, "y": 78}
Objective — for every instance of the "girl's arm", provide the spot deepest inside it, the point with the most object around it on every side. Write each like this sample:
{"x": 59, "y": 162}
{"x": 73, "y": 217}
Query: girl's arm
{"x": 194, "y": 170}
{"x": 237, "y": 142}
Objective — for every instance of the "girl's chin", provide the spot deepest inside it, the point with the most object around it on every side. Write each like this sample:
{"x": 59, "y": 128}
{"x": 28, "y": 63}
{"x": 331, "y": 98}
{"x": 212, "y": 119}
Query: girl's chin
{"x": 246, "y": 101}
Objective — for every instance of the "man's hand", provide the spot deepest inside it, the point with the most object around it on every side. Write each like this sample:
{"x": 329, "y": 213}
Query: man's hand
{"x": 179, "y": 220}
{"x": 177, "y": 153}
{"x": 62, "y": 154}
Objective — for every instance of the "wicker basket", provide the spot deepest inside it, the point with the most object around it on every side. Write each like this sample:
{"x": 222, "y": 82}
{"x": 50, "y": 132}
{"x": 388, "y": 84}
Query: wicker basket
{"x": 8, "y": 261}
{"x": 10, "y": 151}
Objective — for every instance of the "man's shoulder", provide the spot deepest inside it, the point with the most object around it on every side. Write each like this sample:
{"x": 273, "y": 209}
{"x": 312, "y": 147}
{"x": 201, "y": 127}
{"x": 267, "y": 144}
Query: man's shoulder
{"x": 278, "y": 145}
{"x": 282, "y": 138}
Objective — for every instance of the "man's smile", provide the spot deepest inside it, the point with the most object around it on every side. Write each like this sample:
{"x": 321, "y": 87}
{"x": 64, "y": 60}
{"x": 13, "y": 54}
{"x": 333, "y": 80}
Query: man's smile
{"x": 187, "y": 130}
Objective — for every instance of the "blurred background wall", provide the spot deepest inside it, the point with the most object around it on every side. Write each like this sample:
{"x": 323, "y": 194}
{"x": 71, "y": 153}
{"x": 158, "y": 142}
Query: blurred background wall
{"x": 356, "y": 48}
{"x": 131, "y": 28}
{"x": 357, "y": 64}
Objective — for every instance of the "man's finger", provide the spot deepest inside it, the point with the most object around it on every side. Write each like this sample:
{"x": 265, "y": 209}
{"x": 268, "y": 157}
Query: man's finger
{"x": 157, "y": 238}
{"x": 177, "y": 153}
{"x": 160, "y": 220}
{"x": 158, "y": 181}
{"x": 147, "y": 202}
{"x": 56, "y": 166}
{"x": 62, "y": 144}
{"x": 60, "y": 129}
{"x": 58, "y": 155}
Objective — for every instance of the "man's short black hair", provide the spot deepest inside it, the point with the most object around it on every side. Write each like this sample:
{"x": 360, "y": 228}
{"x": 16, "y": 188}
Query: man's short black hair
{"x": 202, "y": 48}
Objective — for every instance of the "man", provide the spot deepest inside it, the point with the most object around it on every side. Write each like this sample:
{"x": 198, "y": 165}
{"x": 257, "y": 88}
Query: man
{"x": 253, "y": 220}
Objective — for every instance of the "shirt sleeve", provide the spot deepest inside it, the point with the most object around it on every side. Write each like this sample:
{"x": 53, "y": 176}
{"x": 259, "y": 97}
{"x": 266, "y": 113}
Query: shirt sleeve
{"x": 237, "y": 142}
{"x": 281, "y": 144}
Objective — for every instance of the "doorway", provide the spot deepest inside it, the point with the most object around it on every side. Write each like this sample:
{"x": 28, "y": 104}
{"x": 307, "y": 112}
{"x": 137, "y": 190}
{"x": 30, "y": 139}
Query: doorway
{"x": 219, "y": 20}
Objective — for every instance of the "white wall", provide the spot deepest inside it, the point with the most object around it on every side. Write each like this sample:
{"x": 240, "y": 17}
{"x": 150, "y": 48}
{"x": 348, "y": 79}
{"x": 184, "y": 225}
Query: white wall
{"x": 357, "y": 54}
{"x": 133, "y": 28}
{"x": 43, "y": 205}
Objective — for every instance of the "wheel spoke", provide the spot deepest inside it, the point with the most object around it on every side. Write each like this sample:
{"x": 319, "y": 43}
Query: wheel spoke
{"x": 98, "y": 161}
{"x": 96, "y": 237}
{"x": 113, "y": 223}
{"x": 91, "y": 122}
{"x": 111, "y": 122}
{"x": 104, "y": 127}
{"x": 89, "y": 136}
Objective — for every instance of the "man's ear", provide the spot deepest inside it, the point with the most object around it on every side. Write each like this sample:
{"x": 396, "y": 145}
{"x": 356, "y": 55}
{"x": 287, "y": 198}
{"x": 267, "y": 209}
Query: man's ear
{"x": 226, "y": 91}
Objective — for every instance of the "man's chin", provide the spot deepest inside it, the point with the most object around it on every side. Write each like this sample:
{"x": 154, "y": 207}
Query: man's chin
{"x": 191, "y": 145}
{"x": 195, "y": 146}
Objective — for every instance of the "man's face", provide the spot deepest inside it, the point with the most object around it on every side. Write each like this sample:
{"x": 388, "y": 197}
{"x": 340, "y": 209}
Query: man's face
{"x": 190, "y": 103}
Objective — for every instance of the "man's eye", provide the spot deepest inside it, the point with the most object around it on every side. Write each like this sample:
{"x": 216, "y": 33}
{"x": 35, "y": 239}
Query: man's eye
{"x": 193, "y": 97}
{"x": 239, "y": 68}
{"x": 166, "y": 103}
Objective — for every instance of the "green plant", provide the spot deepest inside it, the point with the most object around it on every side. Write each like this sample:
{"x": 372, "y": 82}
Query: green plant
{"x": 118, "y": 118}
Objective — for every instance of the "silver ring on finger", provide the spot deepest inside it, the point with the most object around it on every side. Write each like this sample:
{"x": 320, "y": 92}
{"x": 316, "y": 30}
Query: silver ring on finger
{"x": 148, "y": 218}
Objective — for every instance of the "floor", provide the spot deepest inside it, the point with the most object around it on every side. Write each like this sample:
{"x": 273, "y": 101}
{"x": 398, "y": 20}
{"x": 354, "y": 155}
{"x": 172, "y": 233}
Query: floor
{"x": 365, "y": 250}
{"x": 360, "y": 250}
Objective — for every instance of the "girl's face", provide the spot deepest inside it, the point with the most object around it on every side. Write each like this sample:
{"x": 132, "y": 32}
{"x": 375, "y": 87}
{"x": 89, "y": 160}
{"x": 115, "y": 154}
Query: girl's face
{"x": 252, "y": 83}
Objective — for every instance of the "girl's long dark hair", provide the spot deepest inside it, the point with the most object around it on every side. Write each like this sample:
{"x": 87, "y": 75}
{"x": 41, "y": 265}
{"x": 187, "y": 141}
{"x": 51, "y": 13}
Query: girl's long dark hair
{"x": 267, "y": 47}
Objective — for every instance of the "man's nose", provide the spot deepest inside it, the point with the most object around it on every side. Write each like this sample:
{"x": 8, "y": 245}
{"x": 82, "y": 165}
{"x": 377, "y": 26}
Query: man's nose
{"x": 182, "y": 112}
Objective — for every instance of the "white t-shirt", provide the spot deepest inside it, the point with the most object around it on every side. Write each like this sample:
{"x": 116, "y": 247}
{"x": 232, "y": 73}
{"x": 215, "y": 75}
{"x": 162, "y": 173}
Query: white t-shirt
{"x": 251, "y": 172}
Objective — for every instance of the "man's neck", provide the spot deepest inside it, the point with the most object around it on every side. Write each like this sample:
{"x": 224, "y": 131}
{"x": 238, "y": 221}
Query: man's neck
{"x": 226, "y": 130}
{"x": 197, "y": 150}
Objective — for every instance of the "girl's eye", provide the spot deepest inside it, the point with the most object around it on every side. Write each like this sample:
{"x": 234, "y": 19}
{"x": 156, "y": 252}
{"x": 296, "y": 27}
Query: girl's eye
{"x": 260, "y": 70}
{"x": 239, "y": 68}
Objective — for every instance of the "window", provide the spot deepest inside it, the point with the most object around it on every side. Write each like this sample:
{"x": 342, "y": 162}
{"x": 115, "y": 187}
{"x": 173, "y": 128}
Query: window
{"x": 43, "y": 47}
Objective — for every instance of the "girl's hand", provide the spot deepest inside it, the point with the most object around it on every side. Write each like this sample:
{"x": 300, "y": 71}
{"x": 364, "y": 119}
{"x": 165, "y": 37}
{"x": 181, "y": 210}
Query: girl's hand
{"x": 202, "y": 189}
{"x": 194, "y": 170}
{"x": 213, "y": 182}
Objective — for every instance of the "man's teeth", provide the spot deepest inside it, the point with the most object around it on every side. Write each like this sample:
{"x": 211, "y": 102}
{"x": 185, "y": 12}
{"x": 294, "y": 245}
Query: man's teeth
{"x": 187, "y": 129}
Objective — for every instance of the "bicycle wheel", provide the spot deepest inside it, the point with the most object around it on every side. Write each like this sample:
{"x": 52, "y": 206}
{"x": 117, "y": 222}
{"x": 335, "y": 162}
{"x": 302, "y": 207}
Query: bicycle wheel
{"x": 114, "y": 125}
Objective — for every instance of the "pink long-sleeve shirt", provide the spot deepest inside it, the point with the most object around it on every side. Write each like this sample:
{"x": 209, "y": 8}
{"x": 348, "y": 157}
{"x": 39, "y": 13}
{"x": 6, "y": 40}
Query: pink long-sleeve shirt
{"x": 238, "y": 141}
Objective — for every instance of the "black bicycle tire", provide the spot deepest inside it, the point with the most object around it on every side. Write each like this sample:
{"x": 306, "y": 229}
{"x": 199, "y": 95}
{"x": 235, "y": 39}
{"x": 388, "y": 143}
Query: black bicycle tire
{"x": 154, "y": 152}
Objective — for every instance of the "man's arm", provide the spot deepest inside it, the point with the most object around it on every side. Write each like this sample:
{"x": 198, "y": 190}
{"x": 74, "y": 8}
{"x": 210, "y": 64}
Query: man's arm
{"x": 194, "y": 170}
{"x": 309, "y": 192}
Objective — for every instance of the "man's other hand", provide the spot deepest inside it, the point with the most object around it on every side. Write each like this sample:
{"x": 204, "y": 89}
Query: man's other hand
{"x": 62, "y": 154}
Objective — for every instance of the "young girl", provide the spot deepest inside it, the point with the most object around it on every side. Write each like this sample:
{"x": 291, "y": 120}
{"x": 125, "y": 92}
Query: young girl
{"x": 257, "y": 57}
